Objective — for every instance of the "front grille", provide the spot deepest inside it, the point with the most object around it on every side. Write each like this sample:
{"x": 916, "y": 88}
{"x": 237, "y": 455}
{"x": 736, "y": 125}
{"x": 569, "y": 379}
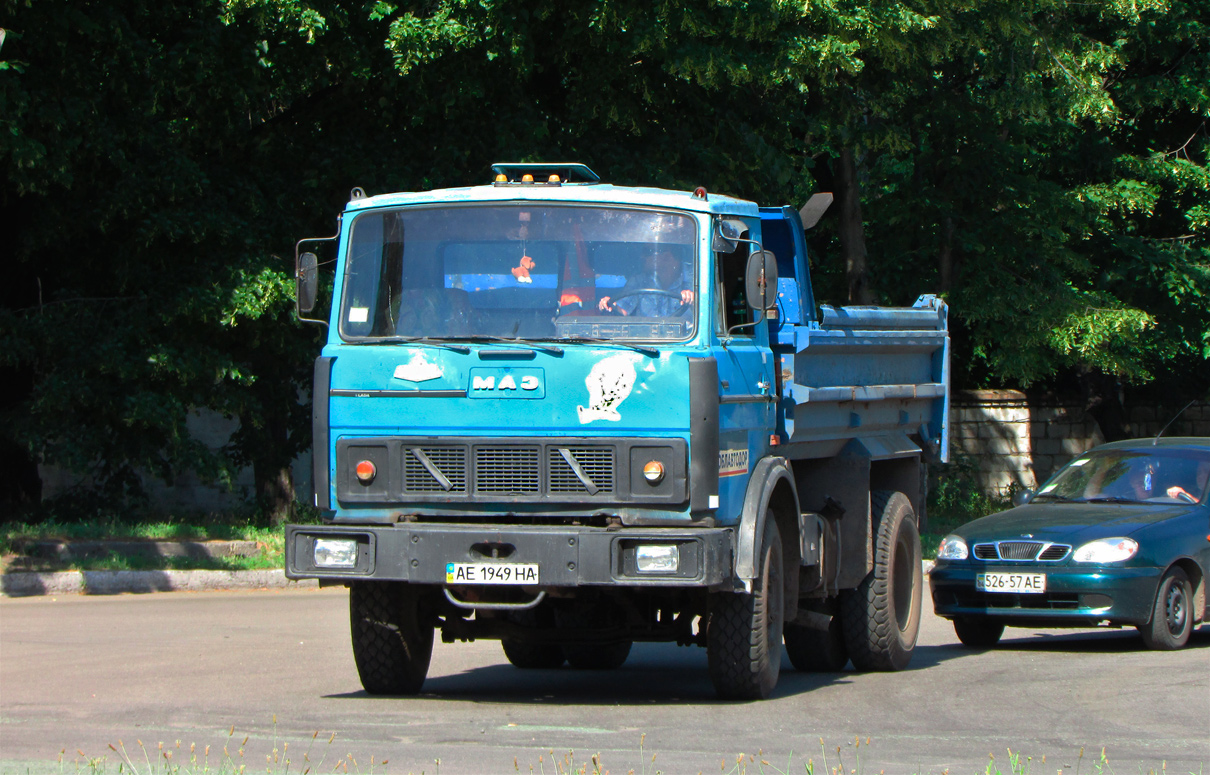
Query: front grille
{"x": 507, "y": 470}
{"x": 597, "y": 464}
{"x": 1046, "y": 601}
{"x": 450, "y": 462}
{"x": 1021, "y": 551}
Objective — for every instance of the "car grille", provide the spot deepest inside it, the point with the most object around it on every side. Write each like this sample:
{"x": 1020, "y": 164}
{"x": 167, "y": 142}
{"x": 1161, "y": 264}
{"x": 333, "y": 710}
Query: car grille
{"x": 448, "y": 462}
{"x": 1046, "y": 601}
{"x": 508, "y": 470}
{"x": 595, "y": 463}
{"x": 1022, "y": 551}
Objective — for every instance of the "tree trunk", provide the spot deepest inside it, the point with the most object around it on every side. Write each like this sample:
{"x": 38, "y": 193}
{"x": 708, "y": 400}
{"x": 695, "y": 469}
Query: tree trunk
{"x": 850, "y": 229}
{"x": 946, "y": 258}
{"x": 275, "y": 491}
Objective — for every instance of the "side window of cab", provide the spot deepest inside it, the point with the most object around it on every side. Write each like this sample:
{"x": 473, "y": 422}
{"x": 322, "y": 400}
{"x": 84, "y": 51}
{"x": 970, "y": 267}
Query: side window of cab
{"x": 731, "y": 307}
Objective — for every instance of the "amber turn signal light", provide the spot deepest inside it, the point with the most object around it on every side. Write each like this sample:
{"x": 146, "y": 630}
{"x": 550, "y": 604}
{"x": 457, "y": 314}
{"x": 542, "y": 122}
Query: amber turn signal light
{"x": 366, "y": 472}
{"x": 653, "y": 472}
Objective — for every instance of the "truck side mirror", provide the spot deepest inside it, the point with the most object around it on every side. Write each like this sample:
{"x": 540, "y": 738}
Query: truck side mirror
{"x": 727, "y": 235}
{"x": 1021, "y": 497}
{"x": 760, "y": 280}
{"x": 306, "y": 275}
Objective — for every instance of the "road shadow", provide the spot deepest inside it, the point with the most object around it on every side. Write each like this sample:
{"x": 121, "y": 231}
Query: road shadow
{"x": 1123, "y": 641}
{"x": 655, "y": 674}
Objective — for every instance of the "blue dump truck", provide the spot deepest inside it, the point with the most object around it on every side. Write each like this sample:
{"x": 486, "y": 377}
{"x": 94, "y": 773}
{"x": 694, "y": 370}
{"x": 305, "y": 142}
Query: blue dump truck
{"x": 570, "y": 416}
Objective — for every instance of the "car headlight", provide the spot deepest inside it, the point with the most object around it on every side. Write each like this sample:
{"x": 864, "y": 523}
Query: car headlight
{"x": 952, "y": 548}
{"x": 1106, "y": 550}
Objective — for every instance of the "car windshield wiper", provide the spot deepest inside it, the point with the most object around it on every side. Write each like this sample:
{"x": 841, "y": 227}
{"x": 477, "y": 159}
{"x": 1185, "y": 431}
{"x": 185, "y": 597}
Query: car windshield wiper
{"x": 1053, "y": 496}
{"x": 546, "y": 348}
{"x": 458, "y": 348}
{"x": 1112, "y": 499}
{"x": 648, "y": 351}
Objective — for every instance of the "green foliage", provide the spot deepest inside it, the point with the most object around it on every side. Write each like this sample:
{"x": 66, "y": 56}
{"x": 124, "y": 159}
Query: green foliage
{"x": 1042, "y": 164}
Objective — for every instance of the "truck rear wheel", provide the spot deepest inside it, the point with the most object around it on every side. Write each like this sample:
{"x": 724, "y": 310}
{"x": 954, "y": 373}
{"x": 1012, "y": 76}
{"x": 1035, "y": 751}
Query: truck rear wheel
{"x": 814, "y": 650}
{"x": 881, "y": 617}
{"x": 744, "y": 633}
{"x": 607, "y": 656}
{"x": 533, "y": 656}
{"x": 392, "y": 644}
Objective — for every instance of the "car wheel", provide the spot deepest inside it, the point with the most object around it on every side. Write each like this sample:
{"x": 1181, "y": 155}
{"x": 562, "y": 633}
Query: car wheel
{"x": 978, "y": 633}
{"x": 744, "y": 633}
{"x": 814, "y": 650}
{"x": 392, "y": 641}
{"x": 881, "y": 617}
{"x": 1172, "y": 616}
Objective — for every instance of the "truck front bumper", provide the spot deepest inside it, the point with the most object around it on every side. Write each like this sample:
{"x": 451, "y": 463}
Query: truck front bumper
{"x": 567, "y": 556}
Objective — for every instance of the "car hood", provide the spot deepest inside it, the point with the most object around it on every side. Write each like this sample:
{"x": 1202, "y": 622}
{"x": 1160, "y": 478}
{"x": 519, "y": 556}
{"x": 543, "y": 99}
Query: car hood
{"x": 1071, "y": 523}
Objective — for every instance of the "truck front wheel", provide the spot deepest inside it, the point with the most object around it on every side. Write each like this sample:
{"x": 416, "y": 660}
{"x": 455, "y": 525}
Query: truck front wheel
{"x": 744, "y": 633}
{"x": 881, "y": 617}
{"x": 392, "y": 642}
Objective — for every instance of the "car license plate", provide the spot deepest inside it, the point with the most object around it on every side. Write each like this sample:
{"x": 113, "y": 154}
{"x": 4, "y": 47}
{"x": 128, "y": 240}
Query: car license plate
{"x": 1011, "y": 582}
{"x": 491, "y": 573}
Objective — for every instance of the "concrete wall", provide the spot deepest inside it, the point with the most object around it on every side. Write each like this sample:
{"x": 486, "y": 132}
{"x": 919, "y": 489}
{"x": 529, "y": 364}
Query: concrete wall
{"x": 1017, "y": 442}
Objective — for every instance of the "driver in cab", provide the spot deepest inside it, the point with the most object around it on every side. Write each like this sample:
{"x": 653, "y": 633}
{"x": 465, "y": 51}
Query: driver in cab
{"x": 664, "y": 288}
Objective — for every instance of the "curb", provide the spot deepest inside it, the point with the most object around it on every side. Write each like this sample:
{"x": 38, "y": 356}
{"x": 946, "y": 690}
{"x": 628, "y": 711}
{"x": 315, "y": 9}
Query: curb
{"x": 114, "y": 582}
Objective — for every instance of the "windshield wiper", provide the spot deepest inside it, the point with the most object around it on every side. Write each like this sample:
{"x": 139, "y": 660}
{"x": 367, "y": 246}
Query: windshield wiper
{"x": 1112, "y": 499}
{"x": 1060, "y": 498}
{"x": 648, "y": 351}
{"x": 546, "y": 348}
{"x": 458, "y": 348}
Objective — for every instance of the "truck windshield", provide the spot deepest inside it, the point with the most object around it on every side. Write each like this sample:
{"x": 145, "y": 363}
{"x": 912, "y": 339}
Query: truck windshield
{"x": 520, "y": 271}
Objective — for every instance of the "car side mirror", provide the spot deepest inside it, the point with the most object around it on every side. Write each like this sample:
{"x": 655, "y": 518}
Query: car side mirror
{"x": 1022, "y": 497}
{"x": 727, "y": 235}
{"x": 306, "y": 276}
{"x": 760, "y": 280}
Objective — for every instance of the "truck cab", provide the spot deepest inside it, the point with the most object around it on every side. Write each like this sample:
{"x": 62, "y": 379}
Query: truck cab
{"x": 568, "y": 415}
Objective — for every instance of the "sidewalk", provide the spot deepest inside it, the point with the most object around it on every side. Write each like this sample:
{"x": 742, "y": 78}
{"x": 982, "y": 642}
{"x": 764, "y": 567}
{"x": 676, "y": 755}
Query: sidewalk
{"x": 114, "y": 582}
{"x": 19, "y": 579}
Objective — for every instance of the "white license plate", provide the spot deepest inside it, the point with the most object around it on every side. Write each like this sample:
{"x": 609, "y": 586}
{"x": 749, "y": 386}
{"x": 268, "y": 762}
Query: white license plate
{"x": 1011, "y": 582}
{"x": 491, "y": 573}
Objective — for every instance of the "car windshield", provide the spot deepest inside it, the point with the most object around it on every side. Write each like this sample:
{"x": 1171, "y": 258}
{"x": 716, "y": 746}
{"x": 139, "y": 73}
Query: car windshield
{"x": 1159, "y": 475}
{"x": 521, "y": 271}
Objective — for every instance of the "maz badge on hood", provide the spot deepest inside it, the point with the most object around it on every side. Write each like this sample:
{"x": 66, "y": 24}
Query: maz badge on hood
{"x": 419, "y": 369}
{"x": 506, "y": 383}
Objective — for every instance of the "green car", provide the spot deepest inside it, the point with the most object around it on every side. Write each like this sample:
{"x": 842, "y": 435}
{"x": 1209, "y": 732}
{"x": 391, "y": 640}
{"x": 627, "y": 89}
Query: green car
{"x": 1120, "y": 536}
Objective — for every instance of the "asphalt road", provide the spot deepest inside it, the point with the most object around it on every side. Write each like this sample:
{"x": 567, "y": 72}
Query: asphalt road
{"x": 80, "y": 673}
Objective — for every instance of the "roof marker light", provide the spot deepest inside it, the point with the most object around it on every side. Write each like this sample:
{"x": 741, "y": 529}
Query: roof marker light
{"x": 527, "y": 178}
{"x": 501, "y": 178}
{"x": 553, "y": 179}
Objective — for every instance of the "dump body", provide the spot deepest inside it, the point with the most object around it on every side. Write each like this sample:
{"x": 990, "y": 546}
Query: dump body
{"x": 542, "y": 397}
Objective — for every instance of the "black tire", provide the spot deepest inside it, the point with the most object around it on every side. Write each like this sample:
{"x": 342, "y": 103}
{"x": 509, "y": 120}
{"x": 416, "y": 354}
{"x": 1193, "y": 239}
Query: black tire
{"x": 881, "y": 617}
{"x": 814, "y": 650}
{"x": 608, "y": 656}
{"x": 532, "y": 656}
{"x": 1172, "y": 615}
{"x": 744, "y": 632}
{"x": 589, "y": 612}
{"x": 392, "y": 643}
{"x": 978, "y": 633}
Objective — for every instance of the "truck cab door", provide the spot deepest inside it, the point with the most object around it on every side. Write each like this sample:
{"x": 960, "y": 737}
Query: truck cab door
{"x": 745, "y": 373}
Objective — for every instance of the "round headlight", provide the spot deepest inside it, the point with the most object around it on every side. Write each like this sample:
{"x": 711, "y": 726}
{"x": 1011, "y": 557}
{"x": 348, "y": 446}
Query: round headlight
{"x": 1106, "y": 550}
{"x": 952, "y": 548}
